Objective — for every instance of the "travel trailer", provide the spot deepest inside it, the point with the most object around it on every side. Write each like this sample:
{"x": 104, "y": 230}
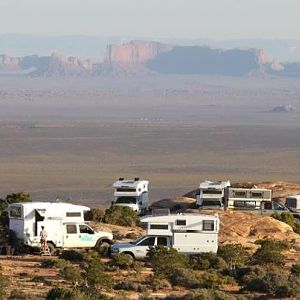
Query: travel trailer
{"x": 254, "y": 198}
{"x": 63, "y": 222}
{"x": 293, "y": 202}
{"x": 132, "y": 194}
{"x": 187, "y": 233}
{"x": 212, "y": 194}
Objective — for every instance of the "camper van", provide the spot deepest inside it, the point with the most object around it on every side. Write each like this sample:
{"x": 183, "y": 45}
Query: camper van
{"x": 187, "y": 233}
{"x": 293, "y": 202}
{"x": 63, "y": 222}
{"x": 254, "y": 198}
{"x": 132, "y": 194}
{"x": 212, "y": 194}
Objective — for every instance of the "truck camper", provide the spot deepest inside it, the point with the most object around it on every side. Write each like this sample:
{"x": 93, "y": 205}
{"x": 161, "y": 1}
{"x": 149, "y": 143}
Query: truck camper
{"x": 251, "y": 199}
{"x": 212, "y": 194}
{"x": 187, "y": 233}
{"x": 132, "y": 194}
{"x": 63, "y": 222}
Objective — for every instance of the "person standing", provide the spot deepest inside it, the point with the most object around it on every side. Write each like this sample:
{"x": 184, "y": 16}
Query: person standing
{"x": 43, "y": 236}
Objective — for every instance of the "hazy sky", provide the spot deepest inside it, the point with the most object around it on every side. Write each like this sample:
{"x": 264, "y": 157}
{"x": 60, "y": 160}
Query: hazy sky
{"x": 220, "y": 19}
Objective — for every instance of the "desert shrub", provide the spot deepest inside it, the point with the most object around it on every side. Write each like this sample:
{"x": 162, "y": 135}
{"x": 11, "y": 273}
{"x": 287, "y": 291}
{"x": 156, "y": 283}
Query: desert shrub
{"x": 246, "y": 274}
{"x": 233, "y": 254}
{"x": 295, "y": 270}
{"x": 59, "y": 294}
{"x": 205, "y": 261}
{"x": 71, "y": 255}
{"x": 213, "y": 280}
{"x": 204, "y": 294}
{"x": 71, "y": 273}
{"x": 164, "y": 260}
{"x": 96, "y": 276}
{"x": 270, "y": 252}
{"x": 179, "y": 276}
{"x": 38, "y": 279}
{"x": 159, "y": 283}
{"x": 130, "y": 286}
{"x": 95, "y": 214}
{"x": 119, "y": 215}
{"x": 54, "y": 263}
{"x": 3, "y": 285}
{"x": 17, "y": 295}
{"x": 122, "y": 261}
{"x": 289, "y": 219}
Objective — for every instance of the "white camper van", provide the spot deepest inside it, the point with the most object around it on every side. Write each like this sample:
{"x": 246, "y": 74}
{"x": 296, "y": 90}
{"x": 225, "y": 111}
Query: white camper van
{"x": 212, "y": 194}
{"x": 254, "y": 198}
{"x": 132, "y": 194}
{"x": 187, "y": 233}
{"x": 293, "y": 202}
{"x": 63, "y": 222}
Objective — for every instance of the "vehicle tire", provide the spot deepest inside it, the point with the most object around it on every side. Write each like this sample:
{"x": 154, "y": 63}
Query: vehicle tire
{"x": 52, "y": 248}
{"x": 129, "y": 255}
{"x": 103, "y": 247}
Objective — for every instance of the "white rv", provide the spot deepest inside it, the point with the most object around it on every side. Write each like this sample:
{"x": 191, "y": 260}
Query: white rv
{"x": 293, "y": 202}
{"x": 187, "y": 233}
{"x": 63, "y": 222}
{"x": 254, "y": 198}
{"x": 212, "y": 194}
{"x": 132, "y": 194}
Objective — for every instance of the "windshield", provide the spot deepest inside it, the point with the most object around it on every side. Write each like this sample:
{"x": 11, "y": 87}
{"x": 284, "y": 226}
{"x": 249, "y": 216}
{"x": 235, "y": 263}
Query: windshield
{"x": 137, "y": 240}
{"x": 126, "y": 200}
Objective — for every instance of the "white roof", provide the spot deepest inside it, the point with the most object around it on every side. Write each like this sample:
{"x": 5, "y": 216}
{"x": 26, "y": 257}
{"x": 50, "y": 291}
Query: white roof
{"x": 55, "y": 206}
{"x": 129, "y": 183}
{"x": 174, "y": 217}
{"x": 207, "y": 184}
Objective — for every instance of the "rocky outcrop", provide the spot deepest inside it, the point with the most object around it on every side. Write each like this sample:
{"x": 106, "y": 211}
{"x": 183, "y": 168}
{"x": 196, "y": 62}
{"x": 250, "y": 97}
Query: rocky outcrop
{"x": 9, "y": 63}
{"x": 135, "y": 52}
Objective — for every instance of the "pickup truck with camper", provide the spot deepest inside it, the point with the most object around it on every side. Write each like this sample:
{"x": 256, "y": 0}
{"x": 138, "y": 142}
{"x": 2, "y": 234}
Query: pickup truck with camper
{"x": 63, "y": 222}
{"x": 132, "y": 194}
{"x": 187, "y": 233}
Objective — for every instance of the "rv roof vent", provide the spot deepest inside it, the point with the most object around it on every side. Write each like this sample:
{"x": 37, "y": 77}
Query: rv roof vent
{"x": 121, "y": 178}
{"x": 160, "y": 212}
{"x": 136, "y": 179}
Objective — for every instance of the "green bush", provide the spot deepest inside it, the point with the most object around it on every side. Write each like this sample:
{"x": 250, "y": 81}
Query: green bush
{"x": 233, "y": 254}
{"x": 55, "y": 263}
{"x": 96, "y": 276}
{"x": 206, "y": 261}
{"x": 270, "y": 252}
{"x": 164, "y": 260}
{"x": 159, "y": 283}
{"x": 18, "y": 295}
{"x": 71, "y": 255}
{"x": 94, "y": 214}
{"x": 119, "y": 215}
{"x": 130, "y": 286}
{"x": 122, "y": 261}
{"x": 183, "y": 277}
{"x": 205, "y": 294}
{"x": 59, "y": 294}
{"x": 295, "y": 270}
{"x": 289, "y": 219}
{"x": 212, "y": 280}
{"x": 71, "y": 273}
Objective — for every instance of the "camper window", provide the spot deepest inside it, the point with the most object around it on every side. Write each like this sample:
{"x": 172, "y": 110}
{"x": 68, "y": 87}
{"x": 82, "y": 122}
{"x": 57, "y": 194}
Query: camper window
{"x": 147, "y": 242}
{"x": 126, "y": 189}
{"x": 208, "y": 225}
{"x": 239, "y": 203}
{"x": 256, "y": 194}
{"x": 239, "y": 193}
{"x": 162, "y": 241}
{"x": 212, "y": 192}
{"x": 15, "y": 212}
{"x": 159, "y": 226}
{"x": 73, "y": 214}
{"x": 250, "y": 204}
{"x": 71, "y": 229}
{"x": 180, "y": 222}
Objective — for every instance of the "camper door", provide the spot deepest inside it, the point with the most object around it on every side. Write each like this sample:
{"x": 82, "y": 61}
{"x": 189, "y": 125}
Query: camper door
{"x": 78, "y": 236}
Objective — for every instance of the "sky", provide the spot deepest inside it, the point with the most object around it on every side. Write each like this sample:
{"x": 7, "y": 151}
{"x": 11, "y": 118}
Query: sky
{"x": 216, "y": 19}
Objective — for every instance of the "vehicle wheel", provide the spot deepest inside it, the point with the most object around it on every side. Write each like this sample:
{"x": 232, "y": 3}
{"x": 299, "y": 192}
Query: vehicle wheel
{"x": 129, "y": 255}
{"x": 52, "y": 249}
{"x": 103, "y": 248}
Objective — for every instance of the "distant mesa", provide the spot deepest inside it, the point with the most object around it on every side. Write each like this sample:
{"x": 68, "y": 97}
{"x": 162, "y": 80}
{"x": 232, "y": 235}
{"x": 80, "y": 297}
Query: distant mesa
{"x": 141, "y": 58}
{"x": 284, "y": 109}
